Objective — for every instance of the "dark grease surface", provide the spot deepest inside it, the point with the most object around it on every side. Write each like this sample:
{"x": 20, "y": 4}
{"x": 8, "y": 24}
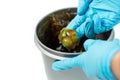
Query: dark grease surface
{"x": 55, "y": 23}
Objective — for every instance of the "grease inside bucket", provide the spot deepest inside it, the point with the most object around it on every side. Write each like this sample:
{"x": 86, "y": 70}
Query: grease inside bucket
{"x": 51, "y": 26}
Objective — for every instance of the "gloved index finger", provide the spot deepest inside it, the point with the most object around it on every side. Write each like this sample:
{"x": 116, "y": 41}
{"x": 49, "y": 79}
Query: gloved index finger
{"x": 76, "y": 22}
{"x": 88, "y": 43}
{"x": 68, "y": 63}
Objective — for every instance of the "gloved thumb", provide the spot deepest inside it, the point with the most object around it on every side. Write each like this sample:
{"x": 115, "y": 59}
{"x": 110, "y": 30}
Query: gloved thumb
{"x": 68, "y": 63}
{"x": 88, "y": 43}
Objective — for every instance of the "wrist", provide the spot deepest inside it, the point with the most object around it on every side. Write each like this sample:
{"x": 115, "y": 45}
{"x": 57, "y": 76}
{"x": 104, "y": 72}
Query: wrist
{"x": 115, "y": 65}
{"x": 106, "y": 65}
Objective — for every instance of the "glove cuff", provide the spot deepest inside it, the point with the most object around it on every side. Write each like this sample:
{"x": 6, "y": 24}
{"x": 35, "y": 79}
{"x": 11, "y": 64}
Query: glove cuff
{"x": 106, "y": 67}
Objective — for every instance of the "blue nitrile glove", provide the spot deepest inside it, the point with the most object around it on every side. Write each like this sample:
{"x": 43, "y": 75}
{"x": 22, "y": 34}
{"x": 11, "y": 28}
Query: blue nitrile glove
{"x": 95, "y": 62}
{"x": 95, "y": 16}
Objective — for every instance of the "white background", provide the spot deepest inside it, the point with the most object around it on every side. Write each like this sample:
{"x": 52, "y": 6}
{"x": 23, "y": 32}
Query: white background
{"x": 20, "y": 59}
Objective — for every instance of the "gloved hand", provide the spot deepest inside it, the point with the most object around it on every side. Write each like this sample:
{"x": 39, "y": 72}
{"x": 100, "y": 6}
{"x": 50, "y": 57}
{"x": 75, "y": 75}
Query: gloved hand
{"x": 95, "y": 16}
{"x": 95, "y": 62}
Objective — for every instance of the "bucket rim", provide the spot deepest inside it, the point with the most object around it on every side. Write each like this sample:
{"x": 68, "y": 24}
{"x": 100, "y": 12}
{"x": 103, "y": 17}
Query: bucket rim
{"x": 52, "y": 51}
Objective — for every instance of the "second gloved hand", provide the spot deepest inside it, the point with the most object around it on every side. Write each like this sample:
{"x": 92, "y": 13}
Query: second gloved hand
{"x": 95, "y": 16}
{"x": 95, "y": 62}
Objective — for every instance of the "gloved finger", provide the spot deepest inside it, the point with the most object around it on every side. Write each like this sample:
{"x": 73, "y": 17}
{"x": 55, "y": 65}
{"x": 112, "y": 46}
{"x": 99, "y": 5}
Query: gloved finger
{"x": 97, "y": 24}
{"x": 89, "y": 29}
{"x": 76, "y": 21}
{"x": 85, "y": 28}
{"x": 117, "y": 41}
{"x": 68, "y": 63}
{"x": 83, "y": 6}
{"x": 88, "y": 43}
{"x": 102, "y": 25}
